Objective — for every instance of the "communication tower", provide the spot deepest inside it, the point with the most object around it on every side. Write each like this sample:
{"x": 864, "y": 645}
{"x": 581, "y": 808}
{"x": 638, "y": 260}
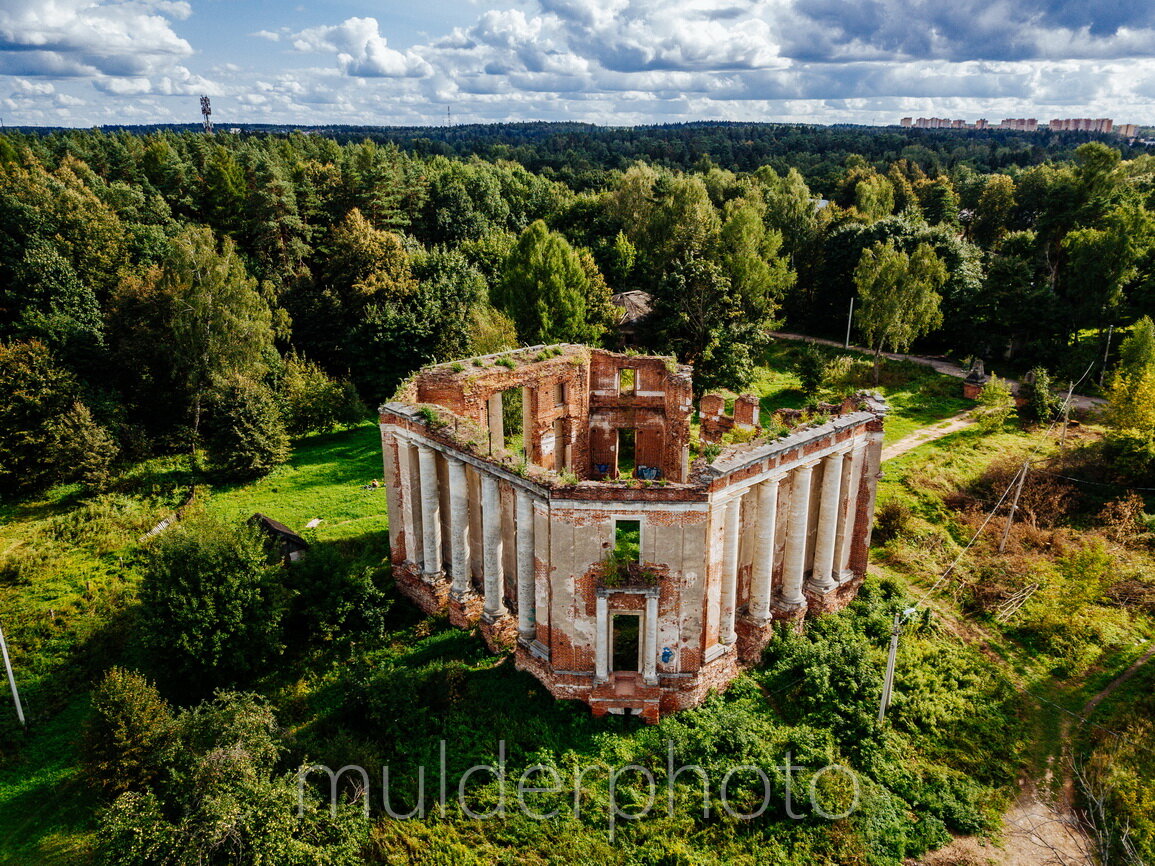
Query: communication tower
{"x": 207, "y": 111}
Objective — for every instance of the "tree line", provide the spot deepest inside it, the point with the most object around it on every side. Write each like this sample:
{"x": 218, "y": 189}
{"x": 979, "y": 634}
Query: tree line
{"x": 173, "y": 291}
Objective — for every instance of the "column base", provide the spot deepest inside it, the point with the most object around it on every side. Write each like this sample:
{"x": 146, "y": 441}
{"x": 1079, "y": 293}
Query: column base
{"x": 833, "y": 599}
{"x": 754, "y": 633}
{"x": 793, "y": 612}
{"x": 464, "y": 608}
{"x": 498, "y": 632}
{"x": 814, "y": 587}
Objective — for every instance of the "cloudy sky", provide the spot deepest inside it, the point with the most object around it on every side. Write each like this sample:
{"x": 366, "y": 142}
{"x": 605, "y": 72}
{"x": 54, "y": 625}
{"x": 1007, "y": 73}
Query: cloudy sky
{"x": 85, "y": 62}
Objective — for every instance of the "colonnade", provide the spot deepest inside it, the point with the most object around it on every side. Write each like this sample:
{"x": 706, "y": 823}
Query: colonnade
{"x": 420, "y": 485}
{"x": 828, "y": 564}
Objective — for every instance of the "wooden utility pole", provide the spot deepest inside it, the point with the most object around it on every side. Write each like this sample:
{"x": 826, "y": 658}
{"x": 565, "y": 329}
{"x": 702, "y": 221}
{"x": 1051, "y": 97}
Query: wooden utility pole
{"x": 1022, "y": 476}
{"x": 12, "y": 679}
{"x": 849, "y": 319}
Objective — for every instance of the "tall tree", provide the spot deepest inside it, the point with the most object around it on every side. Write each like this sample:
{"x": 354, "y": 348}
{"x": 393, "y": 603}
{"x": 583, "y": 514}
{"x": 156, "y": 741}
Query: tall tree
{"x": 995, "y": 204}
{"x": 701, "y": 317}
{"x": 545, "y": 289}
{"x": 749, "y": 255}
{"x": 221, "y": 326}
{"x": 899, "y": 296}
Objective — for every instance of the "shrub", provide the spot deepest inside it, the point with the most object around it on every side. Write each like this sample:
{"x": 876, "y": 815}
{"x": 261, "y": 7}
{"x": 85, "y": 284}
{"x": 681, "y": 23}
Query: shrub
{"x": 811, "y": 370}
{"x": 211, "y": 605}
{"x": 247, "y": 437}
{"x": 128, "y": 733}
{"x": 332, "y": 601}
{"x": 227, "y": 801}
{"x": 313, "y": 402}
{"x": 995, "y": 406}
{"x": 891, "y": 519}
{"x": 1043, "y": 404}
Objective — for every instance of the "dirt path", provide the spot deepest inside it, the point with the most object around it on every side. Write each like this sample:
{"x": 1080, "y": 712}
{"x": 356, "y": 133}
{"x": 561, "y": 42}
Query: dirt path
{"x": 940, "y": 365}
{"x": 1118, "y": 681}
{"x": 928, "y": 434}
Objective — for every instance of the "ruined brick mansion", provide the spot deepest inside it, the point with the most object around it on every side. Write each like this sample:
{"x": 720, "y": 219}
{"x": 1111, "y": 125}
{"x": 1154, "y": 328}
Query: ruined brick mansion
{"x": 547, "y": 497}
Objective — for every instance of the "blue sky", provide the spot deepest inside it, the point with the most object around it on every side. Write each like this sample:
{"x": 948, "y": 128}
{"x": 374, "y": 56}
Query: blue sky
{"x": 86, "y": 62}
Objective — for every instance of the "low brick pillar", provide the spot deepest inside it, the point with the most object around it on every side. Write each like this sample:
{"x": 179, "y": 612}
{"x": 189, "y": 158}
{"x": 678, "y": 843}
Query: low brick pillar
{"x": 431, "y": 596}
{"x": 753, "y": 638}
{"x": 833, "y": 600}
{"x": 711, "y": 417}
{"x": 746, "y": 411}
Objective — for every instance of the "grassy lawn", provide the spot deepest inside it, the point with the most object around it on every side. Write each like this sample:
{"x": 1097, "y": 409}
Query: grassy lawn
{"x": 917, "y": 396}
{"x": 68, "y": 576}
{"x": 324, "y": 479}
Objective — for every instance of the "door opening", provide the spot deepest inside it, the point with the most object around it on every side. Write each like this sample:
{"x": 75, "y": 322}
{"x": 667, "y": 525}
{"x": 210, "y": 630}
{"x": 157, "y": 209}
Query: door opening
{"x": 627, "y": 458}
{"x": 627, "y": 628}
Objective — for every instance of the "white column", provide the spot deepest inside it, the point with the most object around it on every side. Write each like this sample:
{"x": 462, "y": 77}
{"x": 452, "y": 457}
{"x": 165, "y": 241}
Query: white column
{"x": 494, "y": 419}
{"x": 794, "y": 559}
{"x": 459, "y": 563}
{"x": 493, "y": 546}
{"x": 763, "y": 569}
{"x": 823, "y": 575}
{"x": 650, "y": 647}
{"x": 730, "y": 535}
{"x": 389, "y": 445}
{"x": 405, "y": 499}
{"x": 526, "y": 619}
{"x": 602, "y": 640}
{"x": 848, "y": 512}
{"x": 541, "y": 543}
{"x": 430, "y": 510}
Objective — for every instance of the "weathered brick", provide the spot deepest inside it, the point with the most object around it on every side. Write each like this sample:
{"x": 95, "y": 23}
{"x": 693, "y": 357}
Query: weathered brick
{"x": 574, "y": 392}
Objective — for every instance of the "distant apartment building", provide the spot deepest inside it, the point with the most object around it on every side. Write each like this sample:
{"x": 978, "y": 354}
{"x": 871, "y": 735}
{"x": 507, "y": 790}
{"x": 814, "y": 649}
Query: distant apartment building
{"x": 1019, "y": 124}
{"x": 1083, "y": 124}
{"x": 1027, "y": 124}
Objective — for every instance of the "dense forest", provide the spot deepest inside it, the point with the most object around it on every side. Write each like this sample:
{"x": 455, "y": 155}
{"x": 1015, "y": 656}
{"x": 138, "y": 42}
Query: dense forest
{"x": 163, "y": 283}
{"x": 180, "y": 310}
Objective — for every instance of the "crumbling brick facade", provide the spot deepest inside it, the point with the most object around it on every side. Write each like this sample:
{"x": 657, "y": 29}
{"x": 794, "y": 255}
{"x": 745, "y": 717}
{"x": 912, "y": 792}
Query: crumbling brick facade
{"x": 634, "y": 594}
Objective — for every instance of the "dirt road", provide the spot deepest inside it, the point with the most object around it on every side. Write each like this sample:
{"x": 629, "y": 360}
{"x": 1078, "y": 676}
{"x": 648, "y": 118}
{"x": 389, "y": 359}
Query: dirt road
{"x": 1078, "y": 401}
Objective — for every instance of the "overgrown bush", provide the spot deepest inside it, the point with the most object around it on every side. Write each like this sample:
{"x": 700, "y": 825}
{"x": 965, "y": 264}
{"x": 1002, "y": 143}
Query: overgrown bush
{"x": 224, "y": 800}
{"x": 996, "y": 405}
{"x": 313, "y": 402}
{"x": 891, "y": 518}
{"x": 247, "y": 437}
{"x": 1043, "y": 404}
{"x": 811, "y": 369}
{"x": 211, "y": 606}
{"x": 128, "y": 735}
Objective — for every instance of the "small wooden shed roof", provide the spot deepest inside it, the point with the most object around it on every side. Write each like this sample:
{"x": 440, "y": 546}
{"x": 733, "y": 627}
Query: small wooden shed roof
{"x": 290, "y": 542}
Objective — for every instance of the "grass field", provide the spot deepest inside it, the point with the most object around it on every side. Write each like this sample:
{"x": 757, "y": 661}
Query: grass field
{"x": 324, "y": 479}
{"x": 917, "y": 396}
{"x": 68, "y": 580}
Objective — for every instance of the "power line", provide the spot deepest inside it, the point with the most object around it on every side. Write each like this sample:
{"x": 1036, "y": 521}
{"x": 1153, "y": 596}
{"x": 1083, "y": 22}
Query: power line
{"x": 1066, "y": 405}
{"x": 1088, "y": 481}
